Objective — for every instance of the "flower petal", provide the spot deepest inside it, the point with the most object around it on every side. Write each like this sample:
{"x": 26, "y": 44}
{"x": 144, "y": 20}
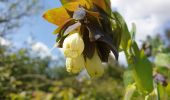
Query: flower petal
{"x": 56, "y": 16}
{"x": 74, "y": 65}
{"x": 94, "y": 66}
{"x": 73, "y": 45}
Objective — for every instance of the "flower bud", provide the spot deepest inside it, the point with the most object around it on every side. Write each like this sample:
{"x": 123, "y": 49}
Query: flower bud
{"x": 74, "y": 65}
{"x": 94, "y": 66}
{"x": 73, "y": 45}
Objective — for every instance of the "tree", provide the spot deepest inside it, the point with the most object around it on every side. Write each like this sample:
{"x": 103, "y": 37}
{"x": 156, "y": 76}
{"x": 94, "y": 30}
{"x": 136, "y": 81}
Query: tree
{"x": 13, "y": 11}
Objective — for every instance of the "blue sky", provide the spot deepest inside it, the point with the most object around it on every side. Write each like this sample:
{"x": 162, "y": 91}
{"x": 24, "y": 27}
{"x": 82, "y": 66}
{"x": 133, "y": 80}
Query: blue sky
{"x": 39, "y": 28}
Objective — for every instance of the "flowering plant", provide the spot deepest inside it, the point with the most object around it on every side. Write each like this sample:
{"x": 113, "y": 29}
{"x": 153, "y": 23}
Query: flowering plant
{"x": 85, "y": 33}
{"x": 88, "y": 30}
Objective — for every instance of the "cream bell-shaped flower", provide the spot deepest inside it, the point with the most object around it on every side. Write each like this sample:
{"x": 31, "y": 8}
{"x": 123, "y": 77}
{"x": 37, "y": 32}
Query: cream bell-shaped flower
{"x": 74, "y": 65}
{"x": 94, "y": 66}
{"x": 73, "y": 45}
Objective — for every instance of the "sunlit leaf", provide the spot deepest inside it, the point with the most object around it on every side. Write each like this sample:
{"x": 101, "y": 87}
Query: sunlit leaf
{"x": 142, "y": 72}
{"x": 56, "y": 16}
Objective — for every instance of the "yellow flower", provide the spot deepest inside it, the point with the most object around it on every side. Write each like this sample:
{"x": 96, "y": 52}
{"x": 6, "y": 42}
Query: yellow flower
{"x": 94, "y": 66}
{"x": 74, "y": 65}
{"x": 73, "y": 45}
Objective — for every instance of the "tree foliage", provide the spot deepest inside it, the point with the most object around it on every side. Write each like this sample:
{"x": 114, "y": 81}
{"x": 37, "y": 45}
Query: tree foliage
{"x": 25, "y": 77}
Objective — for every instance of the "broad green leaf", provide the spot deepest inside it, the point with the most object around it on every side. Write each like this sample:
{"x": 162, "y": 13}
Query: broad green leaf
{"x": 129, "y": 92}
{"x": 123, "y": 35}
{"x": 163, "y": 59}
{"x": 56, "y": 16}
{"x": 142, "y": 72}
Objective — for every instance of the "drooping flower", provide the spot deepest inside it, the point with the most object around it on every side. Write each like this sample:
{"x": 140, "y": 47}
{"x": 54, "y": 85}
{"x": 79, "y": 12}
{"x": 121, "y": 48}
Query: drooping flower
{"x": 73, "y": 45}
{"x": 75, "y": 65}
{"x": 94, "y": 66}
{"x": 85, "y": 33}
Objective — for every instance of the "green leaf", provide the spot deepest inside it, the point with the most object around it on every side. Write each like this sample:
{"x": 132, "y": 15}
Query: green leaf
{"x": 142, "y": 72}
{"x": 163, "y": 59}
{"x": 142, "y": 67}
{"x": 123, "y": 33}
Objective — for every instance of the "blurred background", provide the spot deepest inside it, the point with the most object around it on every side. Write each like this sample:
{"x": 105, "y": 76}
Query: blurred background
{"x": 31, "y": 70}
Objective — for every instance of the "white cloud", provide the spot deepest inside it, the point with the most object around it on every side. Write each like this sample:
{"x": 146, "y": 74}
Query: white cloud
{"x": 40, "y": 49}
{"x": 4, "y": 42}
{"x": 148, "y": 15}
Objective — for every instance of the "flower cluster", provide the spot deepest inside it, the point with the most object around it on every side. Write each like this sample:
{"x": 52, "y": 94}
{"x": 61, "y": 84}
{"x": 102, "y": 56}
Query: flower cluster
{"x": 85, "y": 33}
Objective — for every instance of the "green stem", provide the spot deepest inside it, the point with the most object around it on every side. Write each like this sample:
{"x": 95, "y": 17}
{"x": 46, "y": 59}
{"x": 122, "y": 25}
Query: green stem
{"x": 158, "y": 93}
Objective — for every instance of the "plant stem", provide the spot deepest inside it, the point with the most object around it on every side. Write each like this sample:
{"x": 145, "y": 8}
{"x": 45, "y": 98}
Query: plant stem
{"x": 158, "y": 94}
